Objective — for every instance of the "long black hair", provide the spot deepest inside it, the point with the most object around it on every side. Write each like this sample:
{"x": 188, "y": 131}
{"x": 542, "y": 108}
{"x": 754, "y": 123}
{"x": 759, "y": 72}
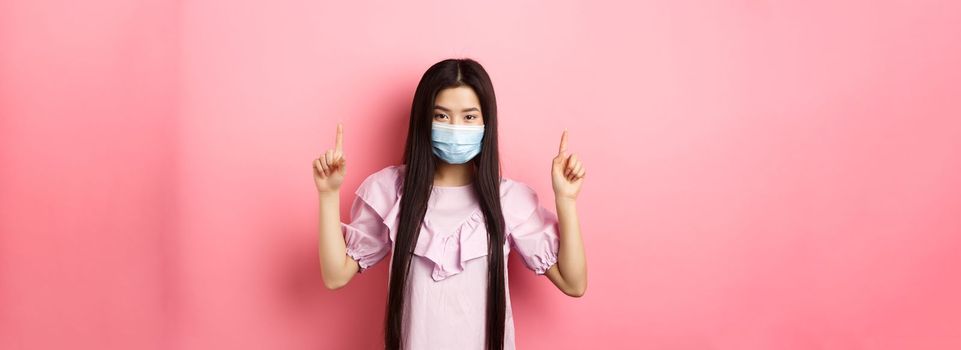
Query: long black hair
{"x": 419, "y": 181}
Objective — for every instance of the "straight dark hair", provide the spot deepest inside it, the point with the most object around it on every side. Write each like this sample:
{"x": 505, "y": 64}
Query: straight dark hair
{"x": 419, "y": 181}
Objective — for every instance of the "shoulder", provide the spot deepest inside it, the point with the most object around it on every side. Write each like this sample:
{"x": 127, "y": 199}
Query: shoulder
{"x": 518, "y": 201}
{"x": 387, "y": 173}
{"x": 385, "y": 182}
{"x": 514, "y": 189}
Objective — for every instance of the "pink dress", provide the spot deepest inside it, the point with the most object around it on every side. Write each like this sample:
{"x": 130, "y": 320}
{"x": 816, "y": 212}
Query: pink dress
{"x": 447, "y": 285}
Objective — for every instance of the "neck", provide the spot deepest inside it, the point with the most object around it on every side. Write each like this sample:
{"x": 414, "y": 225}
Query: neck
{"x": 453, "y": 174}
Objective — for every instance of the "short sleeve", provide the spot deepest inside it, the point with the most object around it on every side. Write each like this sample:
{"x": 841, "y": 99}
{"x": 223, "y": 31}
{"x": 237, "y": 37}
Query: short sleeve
{"x": 366, "y": 235}
{"x": 534, "y": 232}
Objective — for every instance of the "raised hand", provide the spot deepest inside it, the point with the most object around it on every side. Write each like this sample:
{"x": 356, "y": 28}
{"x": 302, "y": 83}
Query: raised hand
{"x": 567, "y": 172}
{"x": 330, "y": 168}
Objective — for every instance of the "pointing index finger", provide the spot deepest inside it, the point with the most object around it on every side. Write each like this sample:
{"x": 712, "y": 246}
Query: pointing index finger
{"x": 339, "y": 143}
{"x": 563, "y": 146}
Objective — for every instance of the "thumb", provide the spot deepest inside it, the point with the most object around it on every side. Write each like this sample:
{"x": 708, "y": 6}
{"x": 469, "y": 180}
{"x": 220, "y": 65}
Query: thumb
{"x": 557, "y": 169}
{"x": 341, "y": 167}
{"x": 561, "y": 158}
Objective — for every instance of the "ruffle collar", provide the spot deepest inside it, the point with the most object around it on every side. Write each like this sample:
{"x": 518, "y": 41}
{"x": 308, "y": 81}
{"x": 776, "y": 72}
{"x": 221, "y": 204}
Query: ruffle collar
{"x": 449, "y": 251}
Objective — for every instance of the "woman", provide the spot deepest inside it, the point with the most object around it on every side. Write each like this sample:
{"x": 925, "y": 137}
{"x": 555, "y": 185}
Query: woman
{"x": 446, "y": 208}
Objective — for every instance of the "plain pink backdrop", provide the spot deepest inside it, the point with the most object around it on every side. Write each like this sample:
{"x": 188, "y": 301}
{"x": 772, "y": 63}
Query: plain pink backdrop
{"x": 762, "y": 174}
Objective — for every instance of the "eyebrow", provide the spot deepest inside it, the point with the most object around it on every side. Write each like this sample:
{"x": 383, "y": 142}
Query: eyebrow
{"x": 445, "y": 109}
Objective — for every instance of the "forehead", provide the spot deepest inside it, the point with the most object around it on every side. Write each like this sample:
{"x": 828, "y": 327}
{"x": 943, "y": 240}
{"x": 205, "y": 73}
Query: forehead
{"x": 457, "y": 97}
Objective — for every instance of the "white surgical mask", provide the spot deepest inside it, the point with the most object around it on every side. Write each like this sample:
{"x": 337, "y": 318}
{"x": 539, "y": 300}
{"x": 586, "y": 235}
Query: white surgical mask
{"x": 456, "y": 144}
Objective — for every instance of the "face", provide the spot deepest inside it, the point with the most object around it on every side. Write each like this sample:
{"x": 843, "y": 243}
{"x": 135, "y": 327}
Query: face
{"x": 459, "y": 106}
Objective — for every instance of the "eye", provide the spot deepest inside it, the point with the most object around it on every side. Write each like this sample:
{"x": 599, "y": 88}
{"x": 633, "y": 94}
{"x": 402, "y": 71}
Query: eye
{"x": 439, "y": 116}
{"x": 471, "y": 117}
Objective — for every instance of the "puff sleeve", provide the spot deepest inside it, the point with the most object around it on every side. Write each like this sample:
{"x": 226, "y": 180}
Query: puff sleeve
{"x": 533, "y": 229}
{"x": 366, "y": 235}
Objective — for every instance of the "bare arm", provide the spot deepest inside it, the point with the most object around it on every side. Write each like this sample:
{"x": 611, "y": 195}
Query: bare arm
{"x": 336, "y": 267}
{"x": 569, "y": 274}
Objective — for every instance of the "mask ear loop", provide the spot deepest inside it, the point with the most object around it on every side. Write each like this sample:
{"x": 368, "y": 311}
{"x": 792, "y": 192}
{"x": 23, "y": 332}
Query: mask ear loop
{"x": 475, "y": 164}
{"x": 476, "y": 159}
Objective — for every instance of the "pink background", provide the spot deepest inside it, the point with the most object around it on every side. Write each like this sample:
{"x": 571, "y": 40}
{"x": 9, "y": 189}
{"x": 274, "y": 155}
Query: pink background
{"x": 762, "y": 175}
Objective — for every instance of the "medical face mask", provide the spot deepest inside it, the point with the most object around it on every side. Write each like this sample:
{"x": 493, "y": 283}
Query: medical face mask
{"x": 456, "y": 144}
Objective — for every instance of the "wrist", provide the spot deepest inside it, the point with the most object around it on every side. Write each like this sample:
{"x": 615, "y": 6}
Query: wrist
{"x": 564, "y": 201}
{"x": 328, "y": 194}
